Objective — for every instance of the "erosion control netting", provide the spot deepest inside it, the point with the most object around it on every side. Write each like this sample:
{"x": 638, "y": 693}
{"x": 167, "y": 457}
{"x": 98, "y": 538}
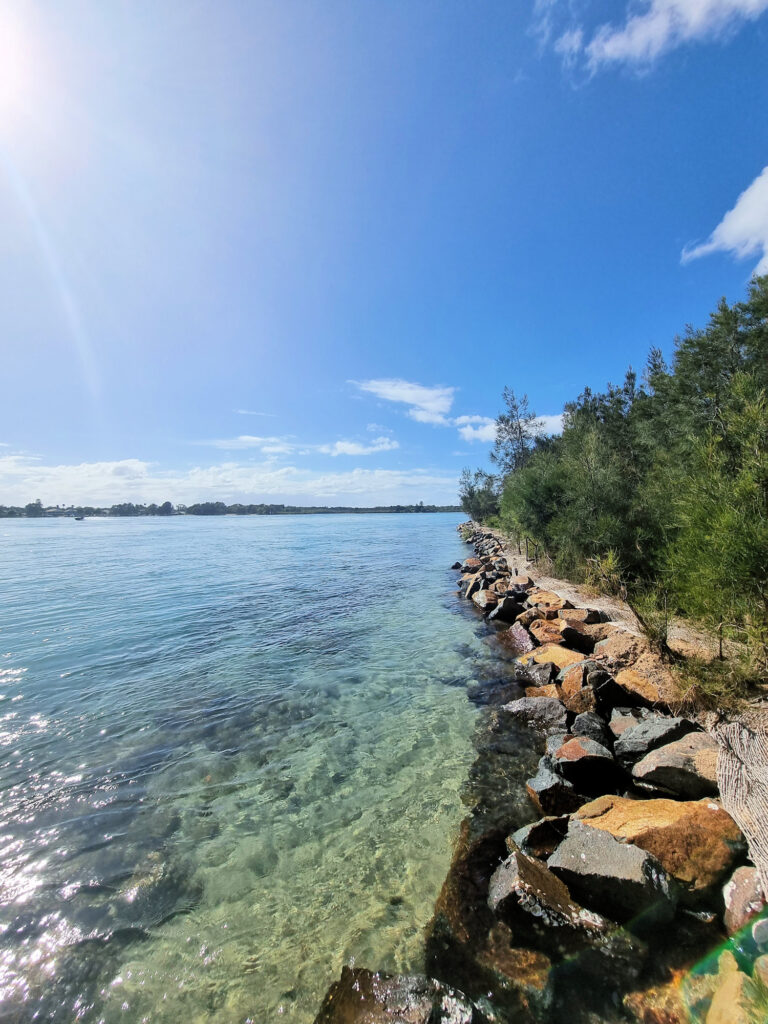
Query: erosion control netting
{"x": 742, "y": 774}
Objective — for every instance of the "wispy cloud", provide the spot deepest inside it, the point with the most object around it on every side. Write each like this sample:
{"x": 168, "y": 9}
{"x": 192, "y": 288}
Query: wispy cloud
{"x": 104, "y": 483}
{"x": 245, "y": 441}
{"x": 476, "y": 428}
{"x": 379, "y": 444}
{"x": 424, "y": 404}
{"x": 253, "y": 412}
{"x": 648, "y": 30}
{"x": 743, "y": 231}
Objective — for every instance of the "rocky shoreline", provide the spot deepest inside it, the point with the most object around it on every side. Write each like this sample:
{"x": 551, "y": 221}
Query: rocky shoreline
{"x": 597, "y": 876}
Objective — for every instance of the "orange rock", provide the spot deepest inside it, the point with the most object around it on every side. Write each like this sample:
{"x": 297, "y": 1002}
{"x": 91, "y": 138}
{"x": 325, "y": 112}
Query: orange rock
{"x": 579, "y": 614}
{"x": 621, "y": 649}
{"x": 548, "y": 599}
{"x": 572, "y": 681}
{"x": 696, "y": 841}
{"x": 581, "y": 701}
{"x": 638, "y": 685}
{"x": 545, "y": 632}
{"x": 551, "y": 690}
{"x": 554, "y": 653}
{"x": 522, "y": 581}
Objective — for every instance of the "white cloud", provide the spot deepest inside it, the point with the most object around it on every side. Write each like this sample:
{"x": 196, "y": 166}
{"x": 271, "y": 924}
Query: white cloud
{"x": 550, "y": 424}
{"x": 245, "y": 441}
{"x": 743, "y": 231}
{"x": 251, "y": 412}
{"x": 379, "y": 444}
{"x": 650, "y": 29}
{"x": 425, "y": 404}
{"x": 23, "y": 479}
{"x": 476, "y": 428}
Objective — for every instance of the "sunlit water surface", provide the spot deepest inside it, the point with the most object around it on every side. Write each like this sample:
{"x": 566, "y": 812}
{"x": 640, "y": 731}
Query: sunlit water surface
{"x": 231, "y": 753}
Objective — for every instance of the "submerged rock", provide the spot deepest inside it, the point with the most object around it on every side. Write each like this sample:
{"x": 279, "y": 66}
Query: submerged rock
{"x": 362, "y": 997}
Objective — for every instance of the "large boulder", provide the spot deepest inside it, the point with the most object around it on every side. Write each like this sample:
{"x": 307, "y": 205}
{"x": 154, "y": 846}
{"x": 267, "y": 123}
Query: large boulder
{"x": 743, "y": 898}
{"x": 471, "y": 565}
{"x": 541, "y": 712}
{"x": 525, "y": 618}
{"x": 544, "y": 631}
{"x": 617, "y": 879}
{"x": 696, "y": 842}
{"x": 528, "y": 895}
{"x": 620, "y": 649}
{"x": 362, "y": 997}
{"x": 638, "y": 686}
{"x": 645, "y": 736}
{"x": 548, "y": 600}
{"x": 685, "y": 768}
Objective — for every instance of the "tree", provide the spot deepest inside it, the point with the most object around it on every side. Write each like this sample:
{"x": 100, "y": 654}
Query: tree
{"x": 478, "y": 494}
{"x": 34, "y": 509}
{"x": 516, "y": 432}
{"x": 718, "y": 564}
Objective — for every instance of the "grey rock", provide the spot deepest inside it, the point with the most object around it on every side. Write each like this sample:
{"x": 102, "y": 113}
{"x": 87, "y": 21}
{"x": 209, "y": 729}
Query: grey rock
{"x": 506, "y": 610}
{"x": 551, "y": 794}
{"x": 545, "y": 713}
{"x": 626, "y": 718}
{"x": 588, "y": 765}
{"x": 617, "y": 879}
{"x": 593, "y": 726}
{"x": 540, "y": 838}
{"x": 686, "y": 768}
{"x": 647, "y": 735}
{"x": 535, "y": 674}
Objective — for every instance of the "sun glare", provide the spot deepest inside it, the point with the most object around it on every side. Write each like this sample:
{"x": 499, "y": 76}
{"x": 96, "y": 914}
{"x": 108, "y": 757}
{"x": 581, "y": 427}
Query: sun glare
{"x": 16, "y": 68}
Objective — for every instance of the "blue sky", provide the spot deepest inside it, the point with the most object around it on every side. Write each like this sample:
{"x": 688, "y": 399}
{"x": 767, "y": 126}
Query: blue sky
{"x": 291, "y": 251}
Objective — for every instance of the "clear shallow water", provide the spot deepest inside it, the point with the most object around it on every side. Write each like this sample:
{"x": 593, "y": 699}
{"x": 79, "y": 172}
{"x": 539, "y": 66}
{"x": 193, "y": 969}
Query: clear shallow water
{"x": 231, "y": 752}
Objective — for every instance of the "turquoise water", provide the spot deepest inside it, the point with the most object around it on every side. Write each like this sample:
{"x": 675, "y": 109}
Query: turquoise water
{"x": 231, "y": 756}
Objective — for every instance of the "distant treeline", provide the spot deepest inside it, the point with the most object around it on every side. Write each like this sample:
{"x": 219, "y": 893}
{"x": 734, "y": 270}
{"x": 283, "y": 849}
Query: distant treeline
{"x": 659, "y": 484}
{"x": 36, "y": 510}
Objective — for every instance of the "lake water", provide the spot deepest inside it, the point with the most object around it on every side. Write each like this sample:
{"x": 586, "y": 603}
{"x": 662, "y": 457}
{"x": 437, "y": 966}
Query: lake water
{"x": 231, "y": 757}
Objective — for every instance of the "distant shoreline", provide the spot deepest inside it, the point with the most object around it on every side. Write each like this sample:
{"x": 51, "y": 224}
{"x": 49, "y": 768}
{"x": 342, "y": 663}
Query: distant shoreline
{"x": 35, "y": 510}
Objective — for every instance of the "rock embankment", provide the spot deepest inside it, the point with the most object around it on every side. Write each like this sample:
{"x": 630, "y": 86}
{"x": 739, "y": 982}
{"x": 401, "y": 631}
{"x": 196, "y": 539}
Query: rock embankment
{"x": 597, "y": 870}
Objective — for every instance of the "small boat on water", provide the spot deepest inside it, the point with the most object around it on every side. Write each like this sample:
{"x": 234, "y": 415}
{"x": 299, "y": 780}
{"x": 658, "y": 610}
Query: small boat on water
{"x": 79, "y": 519}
